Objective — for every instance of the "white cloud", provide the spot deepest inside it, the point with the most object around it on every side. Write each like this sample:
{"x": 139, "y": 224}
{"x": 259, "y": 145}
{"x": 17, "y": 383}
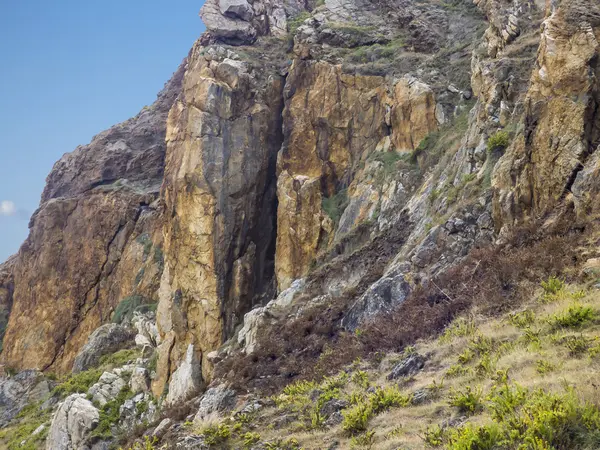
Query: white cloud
{"x": 7, "y": 208}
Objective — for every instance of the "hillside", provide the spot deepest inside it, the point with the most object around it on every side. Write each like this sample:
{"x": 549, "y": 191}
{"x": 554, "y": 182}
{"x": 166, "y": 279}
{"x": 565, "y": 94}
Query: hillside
{"x": 324, "y": 190}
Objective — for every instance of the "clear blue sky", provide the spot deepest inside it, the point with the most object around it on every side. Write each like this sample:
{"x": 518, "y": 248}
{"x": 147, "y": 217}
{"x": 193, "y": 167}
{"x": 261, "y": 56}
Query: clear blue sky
{"x": 70, "y": 69}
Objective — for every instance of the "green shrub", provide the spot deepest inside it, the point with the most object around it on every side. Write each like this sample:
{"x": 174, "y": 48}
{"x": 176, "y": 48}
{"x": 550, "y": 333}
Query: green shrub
{"x": 216, "y": 434}
{"x": 110, "y": 414}
{"x": 575, "y": 316}
{"x": 388, "y": 397}
{"x": 78, "y": 383}
{"x": 250, "y": 438}
{"x": 363, "y": 440}
{"x": 552, "y": 286}
{"x": 459, "y": 328}
{"x": 360, "y": 378}
{"x": 467, "y": 401}
{"x": 295, "y": 22}
{"x": 498, "y": 141}
{"x": 522, "y": 319}
{"x": 148, "y": 444}
{"x": 335, "y": 205}
{"x": 119, "y": 358}
{"x": 434, "y": 436}
{"x": 457, "y": 370}
{"x": 357, "y": 418}
{"x": 543, "y": 366}
{"x": 577, "y": 345}
{"x": 471, "y": 437}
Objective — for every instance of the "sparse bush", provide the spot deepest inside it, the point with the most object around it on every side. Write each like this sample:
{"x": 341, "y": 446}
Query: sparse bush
{"x": 461, "y": 327}
{"x": 357, "y": 418}
{"x": 335, "y": 205}
{"x": 110, "y": 414}
{"x": 522, "y": 319}
{"x": 388, "y": 397}
{"x": 119, "y": 358}
{"x": 498, "y": 141}
{"x": 467, "y": 401}
{"x": 471, "y": 437}
{"x": 250, "y": 438}
{"x": 434, "y": 436}
{"x": 543, "y": 366}
{"x": 363, "y": 440}
{"x": 125, "y": 309}
{"x": 575, "y": 316}
{"x": 552, "y": 287}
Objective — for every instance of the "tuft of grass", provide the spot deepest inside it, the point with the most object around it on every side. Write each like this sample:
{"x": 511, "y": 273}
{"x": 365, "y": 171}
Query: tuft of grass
{"x": 522, "y": 319}
{"x": 461, "y": 327}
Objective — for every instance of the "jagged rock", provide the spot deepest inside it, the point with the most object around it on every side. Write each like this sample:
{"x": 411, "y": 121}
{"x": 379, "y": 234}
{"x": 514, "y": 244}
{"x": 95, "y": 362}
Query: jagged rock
{"x": 107, "y": 388}
{"x": 215, "y": 402}
{"x": 408, "y": 366}
{"x": 332, "y": 406}
{"x": 28, "y": 386}
{"x": 72, "y": 423}
{"x": 106, "y": 340}
{"x": 382, "y": 296}
{"x": 147, "y": 333}
{"x": 192, "y": 443}
{"x": 186, "y": 381}
{"x": 141, "y": 408}
{"x": 98, "y": 201}
{"x": 226, "y": 28}
{"x": 258, "y": 317}
{"x": 334, "y": 419}
{"x": 140, "y": 380}
{"x": 162, "y": 428}
{"x": 236, "y": 8}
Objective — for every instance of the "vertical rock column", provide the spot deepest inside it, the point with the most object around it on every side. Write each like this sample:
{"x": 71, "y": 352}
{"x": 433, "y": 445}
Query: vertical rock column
{"x": 222, "y": 139}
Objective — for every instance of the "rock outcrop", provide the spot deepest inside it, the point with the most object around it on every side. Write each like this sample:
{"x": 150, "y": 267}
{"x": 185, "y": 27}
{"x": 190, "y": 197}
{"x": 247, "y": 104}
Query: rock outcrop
{"x": 105, "y": 340}
{"x": 72, "y": 424}
{"x": 561, "y": 121}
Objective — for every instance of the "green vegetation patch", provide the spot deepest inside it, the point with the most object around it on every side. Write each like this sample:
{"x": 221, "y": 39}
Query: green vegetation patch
{"x": 335, "y": 205}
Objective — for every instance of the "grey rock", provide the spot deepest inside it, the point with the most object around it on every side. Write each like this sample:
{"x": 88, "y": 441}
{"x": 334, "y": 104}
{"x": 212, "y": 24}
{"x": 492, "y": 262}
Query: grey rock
{"x": 383, "y": 296}
{"x": 186, "y": 381}
{"x": 215, "y": 402}
{"x": 72, "y": 423}
{"x": 420, "y": 396}
{"x": 140, "y": 380}
{"x": 162, "y": 428}
{"x": 192, "y": 443}
{"x": 334, "y": 419}
{"x": 147, "y": 333}
{"x": 332, "y": 406}
{"x": 408, "y": 366}
{"x": 228, "y": 29}
{"x": 105, "y": 340}
{"x": 107, "y": 388}
{"x": 28, "y": 386}
{"x": 236, "y": 8}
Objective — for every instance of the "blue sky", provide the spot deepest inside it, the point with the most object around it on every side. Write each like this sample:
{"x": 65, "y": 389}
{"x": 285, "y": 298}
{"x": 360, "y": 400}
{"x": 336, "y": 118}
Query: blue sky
{"x": 69, "y": 70}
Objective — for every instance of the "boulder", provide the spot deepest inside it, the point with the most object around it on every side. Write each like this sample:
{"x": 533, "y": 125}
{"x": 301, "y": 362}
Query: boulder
{"x": 147, "y": 333}
{"x": 236, "y": 8}
{"x": 215, "y": 402}
{"x": 107, "y": 339}
{"x": 72, "y": 423}
{"x": 408, "y": 366}
{"x": 186, "y": 381}
{"x": 107, "y": 388}
{"x": 140, "y": 380}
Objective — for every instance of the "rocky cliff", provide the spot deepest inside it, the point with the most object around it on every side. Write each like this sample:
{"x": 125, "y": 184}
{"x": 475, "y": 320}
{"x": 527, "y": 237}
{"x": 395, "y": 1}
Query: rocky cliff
{"x": 310, "y": 170}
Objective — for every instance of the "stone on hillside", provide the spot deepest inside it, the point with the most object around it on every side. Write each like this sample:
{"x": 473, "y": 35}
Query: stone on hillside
{"x": 140, "y": 380}
{"x": 186, "y": 381}
{"x": 383, "y": 296}
{"x": 226, "y": 28}
{"x": 72, "y": 423}
{"x": 107, "y": 339}
{"x": 162, "y": 428}
{"x": 107, "y": 388}
{"x": 28, "y": 386}
{"x": 215, "y": 402}
{"x": 408, "y": 366}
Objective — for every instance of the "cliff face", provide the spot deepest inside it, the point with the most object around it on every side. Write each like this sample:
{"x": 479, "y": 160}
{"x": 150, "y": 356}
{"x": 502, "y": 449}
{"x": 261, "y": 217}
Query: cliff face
{"x": 344, "y": 153}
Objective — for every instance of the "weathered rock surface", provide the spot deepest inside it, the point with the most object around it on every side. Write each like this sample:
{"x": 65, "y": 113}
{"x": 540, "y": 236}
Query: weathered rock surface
{"x": 408, "y": 366}
{"x": 107, "y": 339}
{"x": 332, "y": 122}
{"x": 107, "y": 388}
{"x": 223, "y": 136}
{"x": 562, "y": 124}
{"x": 215, "y": 403}
{"x": 28, "y": 386}
{"x": 72, "y": 423}
{"x": 186, "y": 381}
